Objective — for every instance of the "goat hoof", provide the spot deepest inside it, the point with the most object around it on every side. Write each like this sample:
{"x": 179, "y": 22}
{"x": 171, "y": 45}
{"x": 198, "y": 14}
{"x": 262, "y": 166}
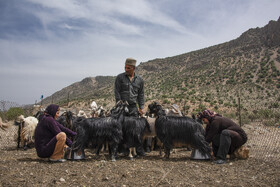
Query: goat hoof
{"x": 113, "y": 160}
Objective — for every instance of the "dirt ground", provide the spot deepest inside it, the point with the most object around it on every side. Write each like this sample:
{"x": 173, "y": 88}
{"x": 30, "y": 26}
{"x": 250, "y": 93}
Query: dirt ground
{"x": 24, "y": 168}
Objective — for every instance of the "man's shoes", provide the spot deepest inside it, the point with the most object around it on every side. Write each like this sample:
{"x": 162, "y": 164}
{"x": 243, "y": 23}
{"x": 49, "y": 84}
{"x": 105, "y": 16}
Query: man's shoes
{"x": 220, "y": 161}
{"x": 57, "y": 160}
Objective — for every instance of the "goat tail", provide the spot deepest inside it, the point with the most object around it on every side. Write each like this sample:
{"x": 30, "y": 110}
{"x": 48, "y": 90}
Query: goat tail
{"x": 80, "y": 140}
{"x": 75, "y": 146}
{"x": 28, "y": 132}
{"x": 200, "y": 143}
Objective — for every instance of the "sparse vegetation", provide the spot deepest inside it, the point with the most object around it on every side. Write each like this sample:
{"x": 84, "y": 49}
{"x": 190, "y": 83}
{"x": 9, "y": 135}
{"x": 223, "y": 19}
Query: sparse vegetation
{"x": 14, "y": 112}
{"x": 210, "y": 77}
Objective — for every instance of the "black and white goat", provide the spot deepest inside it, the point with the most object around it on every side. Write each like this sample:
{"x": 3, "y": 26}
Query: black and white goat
{"x": 150, "y": 140}
{"x": 101, "y": 130}
{"x": 26, "y": 129}
{"x": 133, "y": 133}
{"x": 152, "y": 136}
{"x": 172, "y": 130}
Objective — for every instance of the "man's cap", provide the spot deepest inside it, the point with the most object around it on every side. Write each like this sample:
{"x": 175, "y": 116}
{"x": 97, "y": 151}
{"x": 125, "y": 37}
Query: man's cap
{"x": 130, "y": 62}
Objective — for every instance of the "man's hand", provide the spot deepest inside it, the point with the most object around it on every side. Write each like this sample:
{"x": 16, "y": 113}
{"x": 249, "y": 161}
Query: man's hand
{"x": 212, "y": 155}
{"x": 140, "y": 111}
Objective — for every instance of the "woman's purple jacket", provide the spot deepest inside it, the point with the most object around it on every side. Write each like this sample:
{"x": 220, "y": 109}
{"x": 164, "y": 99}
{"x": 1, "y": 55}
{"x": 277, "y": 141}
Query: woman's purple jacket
{"x": 45, "y": 136}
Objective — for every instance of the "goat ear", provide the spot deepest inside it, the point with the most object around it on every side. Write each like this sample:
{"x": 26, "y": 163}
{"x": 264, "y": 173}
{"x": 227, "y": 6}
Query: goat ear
{"x": 126, "y": 103}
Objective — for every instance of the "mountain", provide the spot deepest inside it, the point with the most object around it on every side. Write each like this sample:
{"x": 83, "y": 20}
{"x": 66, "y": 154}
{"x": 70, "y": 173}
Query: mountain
{"x": 217, "y": 77}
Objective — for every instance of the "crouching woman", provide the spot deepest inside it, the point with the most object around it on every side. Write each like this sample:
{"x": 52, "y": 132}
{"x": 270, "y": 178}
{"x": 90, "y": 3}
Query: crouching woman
{"x": 225, "y": 135}
{"x": 51, "y": 139}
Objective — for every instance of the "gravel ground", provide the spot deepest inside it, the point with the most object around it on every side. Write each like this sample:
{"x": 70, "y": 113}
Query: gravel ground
{"x": 262, "y": 168}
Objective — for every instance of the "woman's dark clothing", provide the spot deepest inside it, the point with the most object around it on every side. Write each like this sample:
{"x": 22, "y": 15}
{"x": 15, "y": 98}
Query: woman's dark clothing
{"x": 52, "y": 109}
{"x": 225, "y": 135}
{"x": 45, "y": 136}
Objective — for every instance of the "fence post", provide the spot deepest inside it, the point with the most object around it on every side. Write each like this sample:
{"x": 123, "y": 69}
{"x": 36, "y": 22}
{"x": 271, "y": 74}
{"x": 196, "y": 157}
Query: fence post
{"x": 68, "y": 99}
{"x": 239, "y": 111}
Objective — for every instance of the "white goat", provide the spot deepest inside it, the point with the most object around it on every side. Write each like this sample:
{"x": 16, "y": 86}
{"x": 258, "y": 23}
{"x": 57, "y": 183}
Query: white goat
{"x": 97, "y": 111}
{"x": 174, "y": 111}
{"x": 93, "y": 106}
{"x": 26, "y": 131}
{"x": 82, "y": 114}
{"x": 3, "y": 126}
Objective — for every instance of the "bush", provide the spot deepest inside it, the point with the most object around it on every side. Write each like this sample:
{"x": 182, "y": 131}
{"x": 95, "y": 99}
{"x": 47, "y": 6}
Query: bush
{"x": 274, "y": 105}
{"x": 2, "y": 115}
{"x": 166, "y": 101}
{"x": 265, "y": 113}
{"x": 14, "y": 112}
{"x": 270, "y": 123}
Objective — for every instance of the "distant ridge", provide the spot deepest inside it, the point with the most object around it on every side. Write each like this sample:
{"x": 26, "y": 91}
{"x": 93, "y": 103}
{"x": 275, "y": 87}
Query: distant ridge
{"x": 247, "y": 67}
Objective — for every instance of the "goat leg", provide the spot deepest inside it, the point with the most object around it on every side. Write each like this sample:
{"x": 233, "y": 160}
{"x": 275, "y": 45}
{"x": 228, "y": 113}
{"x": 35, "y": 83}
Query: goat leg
{"x": 18, "y": 139}
{"x": 131, "y": 153}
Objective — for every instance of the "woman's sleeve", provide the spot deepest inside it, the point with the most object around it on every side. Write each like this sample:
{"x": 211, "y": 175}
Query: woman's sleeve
{"x": 211, "y": 131}
{"x": 53, "y": 126}
{"x": 68, "y": 142}
{"x": 66, "y": 130}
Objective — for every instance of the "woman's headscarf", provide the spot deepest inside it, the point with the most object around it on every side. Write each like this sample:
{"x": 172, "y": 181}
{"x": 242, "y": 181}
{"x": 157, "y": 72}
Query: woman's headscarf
{"x": 52, "y": 109}
{"x": 208, "y": 115}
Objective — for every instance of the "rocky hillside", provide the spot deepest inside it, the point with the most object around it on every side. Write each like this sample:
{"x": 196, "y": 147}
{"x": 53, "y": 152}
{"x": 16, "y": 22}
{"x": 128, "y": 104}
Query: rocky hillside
{"x": 215, "y": 77}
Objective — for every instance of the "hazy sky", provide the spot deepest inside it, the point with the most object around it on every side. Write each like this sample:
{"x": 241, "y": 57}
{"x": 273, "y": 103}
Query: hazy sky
{"x": 48, "y": 45}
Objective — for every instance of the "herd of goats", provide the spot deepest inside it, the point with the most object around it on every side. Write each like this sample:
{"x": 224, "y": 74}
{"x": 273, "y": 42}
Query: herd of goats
{"x": 117, "y": 129}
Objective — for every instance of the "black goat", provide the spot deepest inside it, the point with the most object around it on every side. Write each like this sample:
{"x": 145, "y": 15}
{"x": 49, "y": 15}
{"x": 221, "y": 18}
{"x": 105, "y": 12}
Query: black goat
{"x": 101, "y": 130}
{"x": 39, "y": 115}
{"x": 133, "y": 130}
{"x": 66, "y": 119}
{"x": 172, "y": 130}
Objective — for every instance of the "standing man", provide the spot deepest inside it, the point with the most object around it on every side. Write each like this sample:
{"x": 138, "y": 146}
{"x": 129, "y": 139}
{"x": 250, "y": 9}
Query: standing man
{"x": 130, "y": 87}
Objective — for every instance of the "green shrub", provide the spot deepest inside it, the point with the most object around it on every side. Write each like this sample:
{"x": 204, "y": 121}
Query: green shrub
{"x": 274, "y": 105}
{"x": 14, "y": 112}
{"x": 230, "y": 115}
{"x": 2, "y": 115}
{"x": 166, "y": 101}
{"x": 220, "y": 101}
{"x": 269, "y": 122}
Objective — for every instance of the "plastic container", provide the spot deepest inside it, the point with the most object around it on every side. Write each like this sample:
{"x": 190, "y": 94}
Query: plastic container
{"x": 79, "y": 155}
{"x": 196, "y": 155}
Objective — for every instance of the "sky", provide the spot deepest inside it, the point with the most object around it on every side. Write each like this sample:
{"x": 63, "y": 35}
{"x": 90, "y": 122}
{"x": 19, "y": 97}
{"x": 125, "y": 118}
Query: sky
{"x": 48, "y": 45}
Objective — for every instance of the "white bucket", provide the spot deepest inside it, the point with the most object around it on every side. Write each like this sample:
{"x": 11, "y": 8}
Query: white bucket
{"x": 196, "y": 155}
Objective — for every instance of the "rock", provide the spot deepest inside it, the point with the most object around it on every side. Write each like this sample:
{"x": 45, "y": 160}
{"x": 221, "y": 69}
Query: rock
{"x": 62, "y": 179}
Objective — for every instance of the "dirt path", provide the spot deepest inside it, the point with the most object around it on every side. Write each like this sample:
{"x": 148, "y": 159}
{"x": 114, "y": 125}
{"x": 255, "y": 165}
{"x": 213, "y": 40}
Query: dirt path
{"x": 24, "y": 168}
